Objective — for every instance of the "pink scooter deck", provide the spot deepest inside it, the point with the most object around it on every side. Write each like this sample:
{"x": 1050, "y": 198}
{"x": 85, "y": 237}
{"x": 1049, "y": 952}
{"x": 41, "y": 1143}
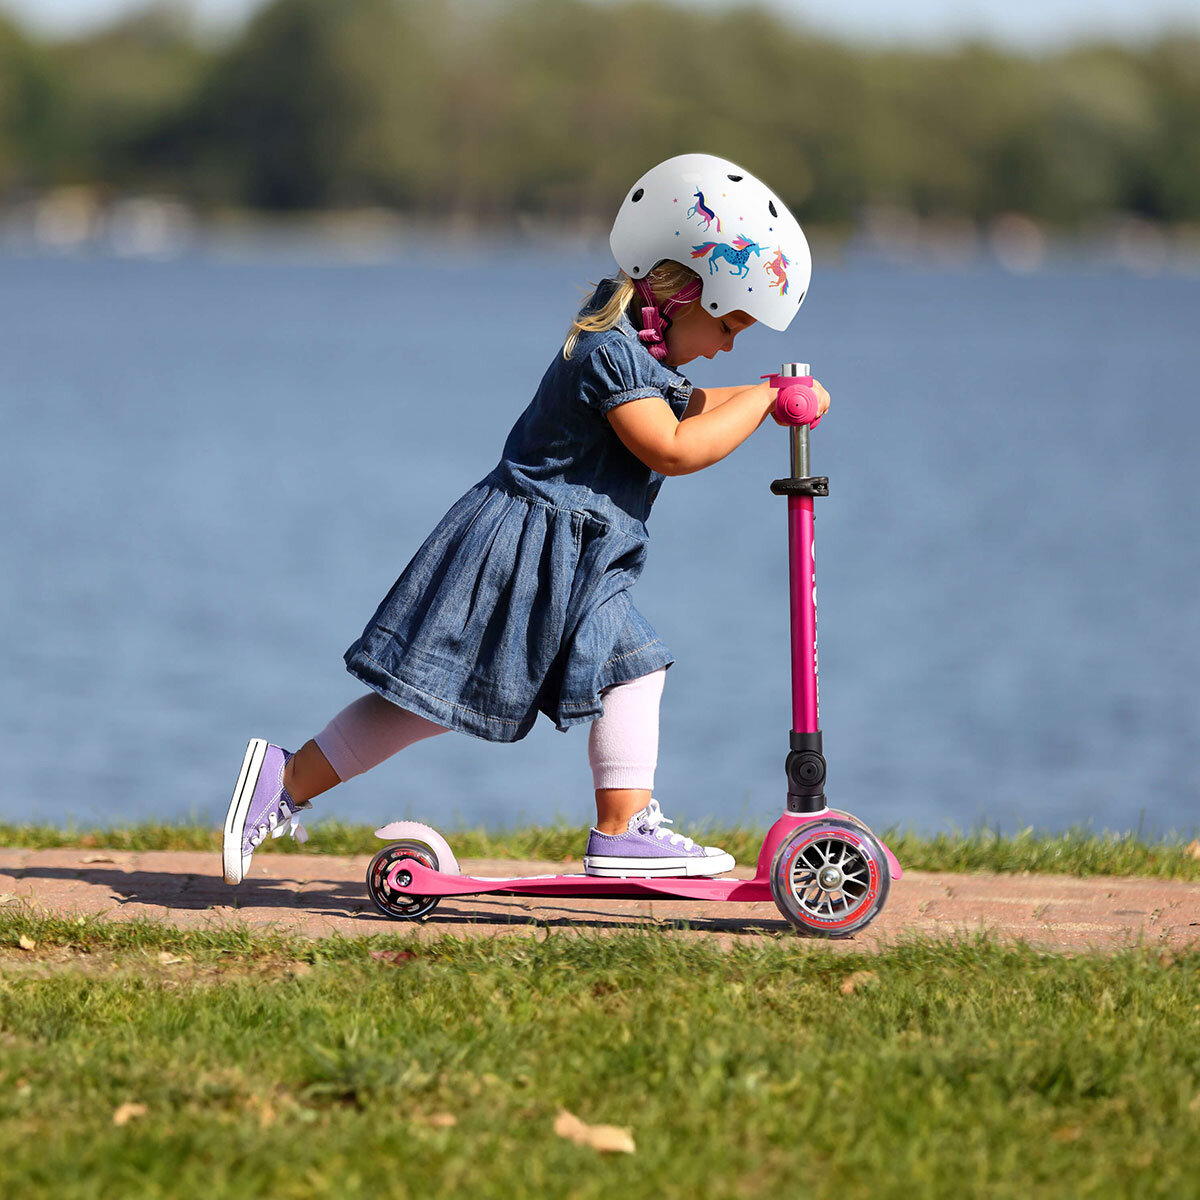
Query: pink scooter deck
{"x": 425, "y": 882}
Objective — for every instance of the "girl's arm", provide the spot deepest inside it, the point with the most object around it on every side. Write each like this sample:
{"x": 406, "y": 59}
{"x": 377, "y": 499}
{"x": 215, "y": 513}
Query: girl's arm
{"x": 706, "y": 399}
{"x": 650, "y": 431}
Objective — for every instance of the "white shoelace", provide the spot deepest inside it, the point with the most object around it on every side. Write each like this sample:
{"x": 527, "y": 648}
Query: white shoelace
{"x": 651, "y": 817}
{"x": 279, "y": 828}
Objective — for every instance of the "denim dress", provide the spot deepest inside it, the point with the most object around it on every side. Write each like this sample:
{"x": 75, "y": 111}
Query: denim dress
{"x": 519, "y": 600}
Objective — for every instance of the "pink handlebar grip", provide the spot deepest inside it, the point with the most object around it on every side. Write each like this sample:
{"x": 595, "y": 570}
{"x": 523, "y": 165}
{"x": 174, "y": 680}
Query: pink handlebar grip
{"x": 797, "y": 403}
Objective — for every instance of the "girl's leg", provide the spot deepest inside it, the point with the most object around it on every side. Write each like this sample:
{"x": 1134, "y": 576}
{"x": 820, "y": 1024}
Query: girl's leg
{"x": 623, "y": 749}
{"x": 273, "y": 789}
{"x": 360, "y": 737}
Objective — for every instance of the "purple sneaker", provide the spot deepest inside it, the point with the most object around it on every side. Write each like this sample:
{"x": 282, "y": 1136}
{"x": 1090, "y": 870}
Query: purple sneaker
{"x": 646, "y": 849}
{"x": 260, "y": 805}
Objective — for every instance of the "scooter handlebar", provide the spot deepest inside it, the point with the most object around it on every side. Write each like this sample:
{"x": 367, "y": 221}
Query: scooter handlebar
{"x": 797, "y": 402}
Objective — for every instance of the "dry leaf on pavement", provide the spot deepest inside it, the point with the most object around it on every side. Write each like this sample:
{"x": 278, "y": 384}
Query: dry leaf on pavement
{"x": 97, "y": 858}
{"x": 610, "y": 1138}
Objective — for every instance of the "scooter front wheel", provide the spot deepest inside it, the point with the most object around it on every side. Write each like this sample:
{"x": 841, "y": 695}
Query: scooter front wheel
{"x": 393, "y": 903}
{"x": 830, "y": 878}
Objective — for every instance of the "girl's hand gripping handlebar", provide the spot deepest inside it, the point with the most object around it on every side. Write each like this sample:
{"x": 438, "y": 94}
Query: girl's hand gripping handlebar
{"x": 797, "y": 402}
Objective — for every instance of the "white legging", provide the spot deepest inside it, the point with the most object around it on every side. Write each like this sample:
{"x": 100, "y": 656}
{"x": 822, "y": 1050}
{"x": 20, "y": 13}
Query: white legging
{"x": 622, "y": 744}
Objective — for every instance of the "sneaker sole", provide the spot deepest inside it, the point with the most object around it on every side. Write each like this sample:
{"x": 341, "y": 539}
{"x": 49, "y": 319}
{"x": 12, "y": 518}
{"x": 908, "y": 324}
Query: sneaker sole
{"x": 239, "y": 806}
{"x": 650, "y": 868}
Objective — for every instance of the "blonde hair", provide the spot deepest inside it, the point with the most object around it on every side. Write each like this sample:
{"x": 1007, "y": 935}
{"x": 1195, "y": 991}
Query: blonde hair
{"x": 665, "y": 280}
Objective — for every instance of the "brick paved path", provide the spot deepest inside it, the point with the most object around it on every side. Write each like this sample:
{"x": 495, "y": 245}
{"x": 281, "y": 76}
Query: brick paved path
{"x": 315, "y": 895}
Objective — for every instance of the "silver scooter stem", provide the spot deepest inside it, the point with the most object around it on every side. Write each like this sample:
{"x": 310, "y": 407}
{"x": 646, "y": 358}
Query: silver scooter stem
{"x": 799, "y": 438}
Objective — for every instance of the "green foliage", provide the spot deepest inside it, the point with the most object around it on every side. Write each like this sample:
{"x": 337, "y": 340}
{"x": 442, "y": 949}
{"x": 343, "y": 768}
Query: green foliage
{"x": 29, "y": 110}
{"x": 264, "y": 1065}
{"x": 118, "y": 85}
{"x": 552, "y": 106}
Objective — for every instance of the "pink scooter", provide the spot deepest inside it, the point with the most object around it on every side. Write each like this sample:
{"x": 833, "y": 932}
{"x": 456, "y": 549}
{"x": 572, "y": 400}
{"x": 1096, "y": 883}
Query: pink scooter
{"x": 826, "y": 871}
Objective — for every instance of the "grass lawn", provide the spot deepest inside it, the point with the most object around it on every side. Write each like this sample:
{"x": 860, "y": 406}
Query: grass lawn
{"x": 259, "y": 1065}
{"x": 1075, "y": 852}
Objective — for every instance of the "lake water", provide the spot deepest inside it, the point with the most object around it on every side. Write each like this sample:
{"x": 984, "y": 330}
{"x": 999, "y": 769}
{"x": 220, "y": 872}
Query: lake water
{"x": 211, "y": 470}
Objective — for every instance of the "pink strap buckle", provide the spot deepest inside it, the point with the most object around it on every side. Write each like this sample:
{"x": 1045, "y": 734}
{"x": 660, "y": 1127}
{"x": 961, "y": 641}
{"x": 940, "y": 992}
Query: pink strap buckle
{"x": 655, "y": 323}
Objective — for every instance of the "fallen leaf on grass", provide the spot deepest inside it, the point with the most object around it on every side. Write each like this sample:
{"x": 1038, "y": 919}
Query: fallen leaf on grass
{"x": 265, "y": 1109}
{"x": 95, "y": 858}
{"x": 26, "y": 942}
{"x": 1193, "y": 848}
{"x": 168, "y": 959}
{"x": 394, "y": 957}
{"x": 1194, "y": 1105}
{"x": 126, "y": 1112}
{"x": 441, "y": 1120}
{"x": 611, "y": 1138}
{"x": 859, "y": 979}
{"x": 1069, "y": 1133}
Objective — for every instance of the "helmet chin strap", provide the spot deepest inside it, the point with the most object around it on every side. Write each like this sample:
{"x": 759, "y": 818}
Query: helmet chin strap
{"x": 655, "y": 323}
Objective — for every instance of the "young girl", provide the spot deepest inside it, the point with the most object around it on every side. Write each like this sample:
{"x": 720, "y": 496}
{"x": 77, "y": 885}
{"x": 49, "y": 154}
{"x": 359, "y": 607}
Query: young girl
{"x": 519, "y": 601}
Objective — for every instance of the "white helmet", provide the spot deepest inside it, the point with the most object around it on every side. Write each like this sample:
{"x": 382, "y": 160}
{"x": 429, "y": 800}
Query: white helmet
{"x": 710, "y": 215}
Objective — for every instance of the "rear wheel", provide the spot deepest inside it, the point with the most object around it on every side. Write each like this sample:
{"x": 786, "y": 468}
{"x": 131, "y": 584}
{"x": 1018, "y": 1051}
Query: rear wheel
{"x": 392, "y": 902}
{"x": 830, "y": 878}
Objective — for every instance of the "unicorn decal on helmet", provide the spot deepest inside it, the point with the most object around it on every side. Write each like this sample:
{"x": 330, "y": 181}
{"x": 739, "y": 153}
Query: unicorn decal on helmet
{"x": 778, "y": 267}
{"x": 736, "y": 255}
{"x": 706, "y": 214}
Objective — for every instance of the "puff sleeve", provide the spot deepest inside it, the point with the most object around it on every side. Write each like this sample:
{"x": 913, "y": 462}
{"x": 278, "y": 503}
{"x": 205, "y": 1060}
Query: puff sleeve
{"x": 612, "y": 374}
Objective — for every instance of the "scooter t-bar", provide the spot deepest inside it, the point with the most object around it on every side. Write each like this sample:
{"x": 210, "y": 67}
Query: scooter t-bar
{"x": 798, "y": 405}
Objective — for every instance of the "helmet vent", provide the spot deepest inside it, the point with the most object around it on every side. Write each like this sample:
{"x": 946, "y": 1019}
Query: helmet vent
{"x": 713, "y": 305}
{"x": 771, "y": 208}
{"x": 735, "y": 178}
{"x": 638, "y": 195}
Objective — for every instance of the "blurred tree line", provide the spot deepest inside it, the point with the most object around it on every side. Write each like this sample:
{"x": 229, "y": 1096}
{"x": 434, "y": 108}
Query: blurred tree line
{"x": 487, "y": 108}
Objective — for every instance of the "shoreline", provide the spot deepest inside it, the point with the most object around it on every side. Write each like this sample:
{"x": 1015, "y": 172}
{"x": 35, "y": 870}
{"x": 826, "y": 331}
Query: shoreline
{"x": 83, "y": 221}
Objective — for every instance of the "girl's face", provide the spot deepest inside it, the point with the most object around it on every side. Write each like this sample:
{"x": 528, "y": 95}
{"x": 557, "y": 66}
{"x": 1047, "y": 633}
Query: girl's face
{"x": 696, "y": 334}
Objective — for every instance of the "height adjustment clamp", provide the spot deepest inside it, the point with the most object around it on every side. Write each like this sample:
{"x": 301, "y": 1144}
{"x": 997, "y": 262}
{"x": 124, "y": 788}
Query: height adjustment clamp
{"x": 815, "y": 485}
